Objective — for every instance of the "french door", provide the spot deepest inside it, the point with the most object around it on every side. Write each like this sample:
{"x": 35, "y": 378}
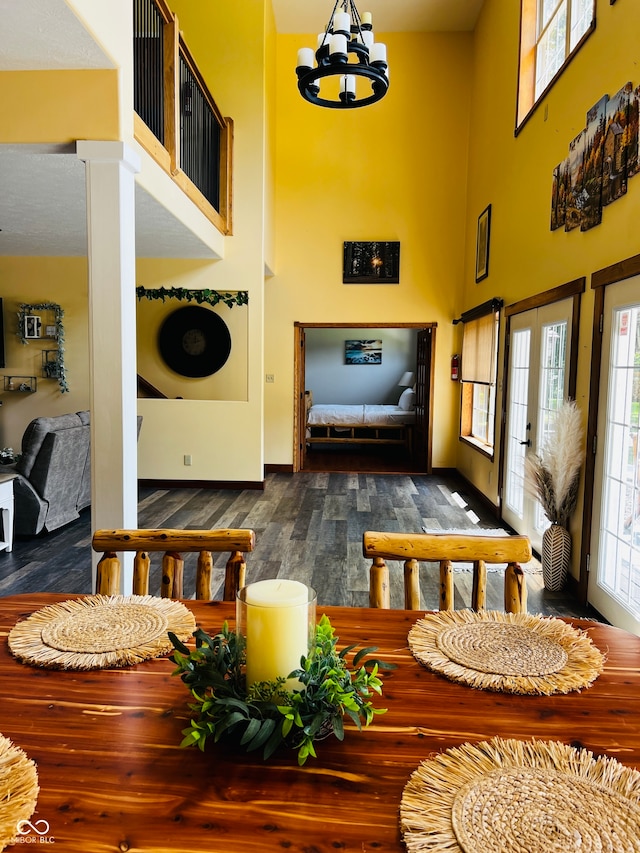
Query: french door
{"x": 537, "y": 383}
{"x": 614, "y": 577}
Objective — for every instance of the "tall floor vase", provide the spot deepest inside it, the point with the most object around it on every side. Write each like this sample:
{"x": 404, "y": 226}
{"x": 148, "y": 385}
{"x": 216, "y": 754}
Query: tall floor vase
{"x": 556, "y": 557}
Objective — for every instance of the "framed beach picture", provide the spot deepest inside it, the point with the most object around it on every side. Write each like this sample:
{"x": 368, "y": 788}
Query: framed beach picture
{"x": 363, "y": 352}
{"x": 482, "y": 244}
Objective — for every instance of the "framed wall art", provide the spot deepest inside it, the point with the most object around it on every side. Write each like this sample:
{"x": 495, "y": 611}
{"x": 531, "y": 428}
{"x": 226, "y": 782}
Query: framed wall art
{"x": 371, "y": 263}
{"x": 482, "y": 244}
{"x": 32, "y": 326}
{"x": 363, "y": 352}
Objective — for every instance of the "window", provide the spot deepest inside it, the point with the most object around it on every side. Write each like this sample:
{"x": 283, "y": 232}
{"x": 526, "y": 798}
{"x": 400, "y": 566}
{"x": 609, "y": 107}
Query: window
{"x": 551, "y": 31}
{"x": 479, "y": 371}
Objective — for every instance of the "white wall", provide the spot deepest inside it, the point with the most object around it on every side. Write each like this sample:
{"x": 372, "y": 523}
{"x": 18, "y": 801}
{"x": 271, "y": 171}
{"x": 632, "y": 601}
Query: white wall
{"x": 333, "y": 381}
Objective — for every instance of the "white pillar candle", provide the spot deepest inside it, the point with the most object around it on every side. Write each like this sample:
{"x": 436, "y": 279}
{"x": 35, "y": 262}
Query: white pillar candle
{"x": 348, "y": 83}
{"x": 323, "y": 39}
{"x": 341, "y": 22}
{"x": 366, "y": 18}
{"x": 338, "y": 44}
{"x": 305, "y": 57}
{"x": 367, "y": 38}
{"x": 378, "y": 52}
{"x": 277, "y": 628}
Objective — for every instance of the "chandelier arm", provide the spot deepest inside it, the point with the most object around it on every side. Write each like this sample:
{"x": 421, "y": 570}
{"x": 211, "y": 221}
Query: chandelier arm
{"x": 356, "y": 18}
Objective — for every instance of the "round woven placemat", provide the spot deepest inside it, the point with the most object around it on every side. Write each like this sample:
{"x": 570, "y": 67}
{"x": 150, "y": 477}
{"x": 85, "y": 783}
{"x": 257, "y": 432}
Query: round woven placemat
{"x": 18, "y": 790}
{"x": 507, "y": 652}
{"x": 100, "y": 631}
{"x": 506, "y": 796}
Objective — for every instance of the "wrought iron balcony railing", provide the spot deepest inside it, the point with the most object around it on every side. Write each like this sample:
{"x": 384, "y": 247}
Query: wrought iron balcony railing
{"x": 176, "y": 119}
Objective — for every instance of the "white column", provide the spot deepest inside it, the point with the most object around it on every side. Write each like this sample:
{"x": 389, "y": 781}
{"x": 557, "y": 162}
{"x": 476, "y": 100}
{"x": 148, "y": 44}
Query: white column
{"x": 110, "y": 182}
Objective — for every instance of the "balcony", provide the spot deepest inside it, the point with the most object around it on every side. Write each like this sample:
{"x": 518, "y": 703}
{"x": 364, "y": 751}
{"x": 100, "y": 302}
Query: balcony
{"x": 176, "y": 119}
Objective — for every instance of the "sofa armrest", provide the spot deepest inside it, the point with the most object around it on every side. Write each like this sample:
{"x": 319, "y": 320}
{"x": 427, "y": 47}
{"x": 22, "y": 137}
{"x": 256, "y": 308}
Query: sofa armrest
{"x": 30, "y": 510}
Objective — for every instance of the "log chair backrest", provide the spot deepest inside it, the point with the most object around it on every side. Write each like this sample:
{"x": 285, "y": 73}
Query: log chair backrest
{"x": 445, "y": 549}
{"x": 172, "y": 543}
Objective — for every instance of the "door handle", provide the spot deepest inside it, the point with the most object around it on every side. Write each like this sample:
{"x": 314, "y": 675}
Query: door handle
{"x": 527, "y": 442}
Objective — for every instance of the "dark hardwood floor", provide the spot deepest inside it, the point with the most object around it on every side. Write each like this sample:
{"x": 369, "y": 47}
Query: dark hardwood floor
{"x": 308, "y": 526}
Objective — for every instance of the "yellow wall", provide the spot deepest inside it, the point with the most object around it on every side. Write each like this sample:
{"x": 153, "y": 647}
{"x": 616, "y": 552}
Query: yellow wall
{"x": 51, "y": 106}
{"x": 514, "y": 174}
{"x": 396, "y": 170}
{"x": 270, "y": 139}
{"x": 32, "y": 281}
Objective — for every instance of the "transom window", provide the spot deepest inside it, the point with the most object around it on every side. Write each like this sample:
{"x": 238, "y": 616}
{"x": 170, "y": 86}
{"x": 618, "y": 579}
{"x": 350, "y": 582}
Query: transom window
{"x": 551, "y": 31}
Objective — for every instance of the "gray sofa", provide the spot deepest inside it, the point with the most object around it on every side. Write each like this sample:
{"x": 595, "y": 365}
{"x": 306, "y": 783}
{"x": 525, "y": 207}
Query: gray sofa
{"x": 53, "y": 474}
{"x": 53, "y": 481}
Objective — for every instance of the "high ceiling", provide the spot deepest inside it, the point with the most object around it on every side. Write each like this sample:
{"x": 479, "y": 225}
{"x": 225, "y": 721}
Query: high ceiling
{"x": 42, "y": 190}
{"x": 311, "y": 16}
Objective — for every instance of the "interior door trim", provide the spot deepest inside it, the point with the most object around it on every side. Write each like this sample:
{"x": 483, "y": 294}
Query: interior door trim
{"x": 298, "y": 378}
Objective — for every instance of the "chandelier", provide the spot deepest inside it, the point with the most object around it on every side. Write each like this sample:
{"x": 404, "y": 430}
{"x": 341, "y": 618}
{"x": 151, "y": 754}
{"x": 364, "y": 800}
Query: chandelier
{"x": 347, "y": 53}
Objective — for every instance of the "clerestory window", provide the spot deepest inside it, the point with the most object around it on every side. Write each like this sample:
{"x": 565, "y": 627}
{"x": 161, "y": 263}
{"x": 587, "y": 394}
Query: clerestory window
{"x": 551, "y": 31}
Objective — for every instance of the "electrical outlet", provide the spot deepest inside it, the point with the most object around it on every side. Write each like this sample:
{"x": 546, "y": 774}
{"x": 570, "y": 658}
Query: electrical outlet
{"x": 269, "y": 377}
{"x": 187, "y": 459}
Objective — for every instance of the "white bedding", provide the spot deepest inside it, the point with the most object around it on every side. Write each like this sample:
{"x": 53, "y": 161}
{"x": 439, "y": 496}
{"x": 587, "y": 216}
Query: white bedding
{"x": 361, "y": 414}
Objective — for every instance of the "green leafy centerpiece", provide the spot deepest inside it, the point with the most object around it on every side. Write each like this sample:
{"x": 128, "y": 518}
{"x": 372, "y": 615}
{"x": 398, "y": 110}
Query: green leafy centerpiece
{"x": 268, "y": 714}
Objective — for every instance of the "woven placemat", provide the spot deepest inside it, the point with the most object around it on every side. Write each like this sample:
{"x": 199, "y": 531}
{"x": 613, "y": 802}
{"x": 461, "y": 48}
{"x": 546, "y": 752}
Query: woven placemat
{"x": 100, "y": 631}
{"x": 18, "y": 790}
{"x": 506, "y": 796}
{"x": 506, "y": 652}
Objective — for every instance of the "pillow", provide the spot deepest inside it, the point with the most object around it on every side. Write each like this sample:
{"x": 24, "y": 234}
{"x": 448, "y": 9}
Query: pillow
{"x": 407, "y": 399}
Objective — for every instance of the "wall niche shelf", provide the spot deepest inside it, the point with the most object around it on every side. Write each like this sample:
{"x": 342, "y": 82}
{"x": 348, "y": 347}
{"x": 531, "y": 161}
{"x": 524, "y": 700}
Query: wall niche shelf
{"x": 45, "y": 317}
{"x": 50, "y": 364}
{"x": 23, "y": 384}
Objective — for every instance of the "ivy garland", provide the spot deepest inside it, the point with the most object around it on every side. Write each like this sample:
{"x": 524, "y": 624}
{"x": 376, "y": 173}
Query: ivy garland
{"x": 61, "y": 371}
{"x": 211, "y": 297}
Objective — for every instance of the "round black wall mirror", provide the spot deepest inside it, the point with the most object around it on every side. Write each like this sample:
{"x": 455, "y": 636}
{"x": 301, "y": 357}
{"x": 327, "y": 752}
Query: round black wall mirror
{"x": 194, "y": 341}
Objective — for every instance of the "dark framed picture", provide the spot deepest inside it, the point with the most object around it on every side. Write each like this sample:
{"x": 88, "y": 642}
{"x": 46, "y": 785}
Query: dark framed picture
{"x": 363, "y": 352}
{"x": 371, "y": 263}
{"x": 32, "y": 326}
{"x": 482, "y": 244}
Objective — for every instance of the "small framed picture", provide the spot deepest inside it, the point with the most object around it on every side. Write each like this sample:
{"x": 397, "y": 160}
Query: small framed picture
{"x": 32, "y": 326}
{"x": 50, "y": 332}
{"x": 363, "y": 352}
{"x": 482, "y": 244}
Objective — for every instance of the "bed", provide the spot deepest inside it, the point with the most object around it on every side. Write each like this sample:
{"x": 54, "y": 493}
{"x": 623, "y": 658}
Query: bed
{"x": 362, "y": 423}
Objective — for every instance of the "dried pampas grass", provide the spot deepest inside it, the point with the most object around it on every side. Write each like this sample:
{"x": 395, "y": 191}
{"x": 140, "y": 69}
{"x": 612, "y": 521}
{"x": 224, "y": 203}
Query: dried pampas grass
{"x": 507, "y": 796}
{"x": 552, "y": 477}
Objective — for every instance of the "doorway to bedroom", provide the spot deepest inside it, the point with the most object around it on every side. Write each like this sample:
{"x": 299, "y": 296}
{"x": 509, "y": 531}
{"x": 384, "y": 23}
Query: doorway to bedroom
{"x": 363, "y": 397}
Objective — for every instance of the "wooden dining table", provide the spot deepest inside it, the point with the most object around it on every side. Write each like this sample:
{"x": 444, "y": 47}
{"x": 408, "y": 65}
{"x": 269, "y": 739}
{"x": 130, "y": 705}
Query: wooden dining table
{"x": 114, "y": 778}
